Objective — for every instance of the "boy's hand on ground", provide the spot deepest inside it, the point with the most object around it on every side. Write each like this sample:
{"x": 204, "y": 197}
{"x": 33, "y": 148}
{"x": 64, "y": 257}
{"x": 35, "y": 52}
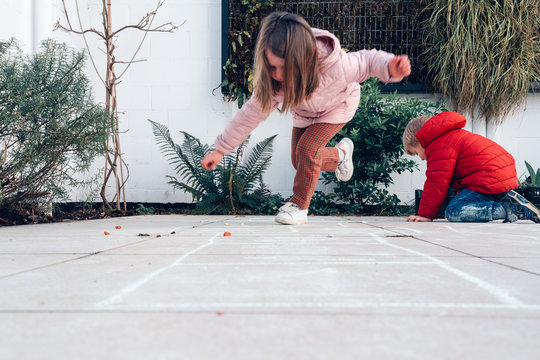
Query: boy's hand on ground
{"x": 399, "y": 66}
{"x": 416, "y": 218}
{"x": 211, "y": 160}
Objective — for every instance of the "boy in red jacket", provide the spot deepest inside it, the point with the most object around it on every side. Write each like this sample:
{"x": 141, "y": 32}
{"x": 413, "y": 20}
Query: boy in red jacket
{"x": 483, "y": 172}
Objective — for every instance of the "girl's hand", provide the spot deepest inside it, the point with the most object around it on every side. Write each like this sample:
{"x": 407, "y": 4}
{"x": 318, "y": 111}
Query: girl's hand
{"x": 211, "y": 160}
{"x": 399, "y": 66}
{"x": 417, "y": 218}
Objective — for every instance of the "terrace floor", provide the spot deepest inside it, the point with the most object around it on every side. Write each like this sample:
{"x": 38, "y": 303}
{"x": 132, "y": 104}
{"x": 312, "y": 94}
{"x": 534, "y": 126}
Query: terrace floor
{"x": 174, "y": 287}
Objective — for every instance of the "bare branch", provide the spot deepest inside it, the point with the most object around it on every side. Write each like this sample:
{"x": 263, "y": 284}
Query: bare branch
{"x": 130, "y": 62}
{"x": 70, "y": 27}
{"x": 86, "y": 43}
{"x": 150, "y": 19}
{"x": 160, "y": 28}
{"x": 147, "y": 20}
{"x": 59, "y": 26}
{"x": 171, "y": 29}
{"x": 81, "y": 32}
{"x": 104, "y": 14}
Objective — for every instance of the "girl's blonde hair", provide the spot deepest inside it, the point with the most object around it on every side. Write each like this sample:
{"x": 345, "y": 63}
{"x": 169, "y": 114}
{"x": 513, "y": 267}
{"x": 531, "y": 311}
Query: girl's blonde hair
{"x": 287, "y": 36}
{"x": 409, "y": 139}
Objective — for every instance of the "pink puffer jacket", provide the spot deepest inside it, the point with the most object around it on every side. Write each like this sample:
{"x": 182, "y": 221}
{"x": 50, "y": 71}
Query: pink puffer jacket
{"x": 335, "y": 100}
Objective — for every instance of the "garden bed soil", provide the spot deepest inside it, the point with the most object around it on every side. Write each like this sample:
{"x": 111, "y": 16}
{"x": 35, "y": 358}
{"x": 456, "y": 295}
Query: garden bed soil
{"x": 84, "y": 211}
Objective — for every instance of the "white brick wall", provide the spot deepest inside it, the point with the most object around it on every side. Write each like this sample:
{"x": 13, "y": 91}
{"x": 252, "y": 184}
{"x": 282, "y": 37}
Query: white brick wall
{"x": 174, "y": 87}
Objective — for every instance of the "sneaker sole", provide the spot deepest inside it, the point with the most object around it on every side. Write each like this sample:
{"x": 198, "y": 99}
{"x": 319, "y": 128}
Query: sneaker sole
{"x": 524, "y": 202}
{"x": 290, "y": 222}
{"x": 351, "y": 144}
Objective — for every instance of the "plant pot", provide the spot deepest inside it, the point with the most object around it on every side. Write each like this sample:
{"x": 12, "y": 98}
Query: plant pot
{"x": 532, "y": 193}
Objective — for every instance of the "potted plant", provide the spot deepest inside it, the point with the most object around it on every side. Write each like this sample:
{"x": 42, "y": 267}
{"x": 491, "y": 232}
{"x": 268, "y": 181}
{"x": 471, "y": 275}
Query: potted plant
{"x": 531, "y": 186}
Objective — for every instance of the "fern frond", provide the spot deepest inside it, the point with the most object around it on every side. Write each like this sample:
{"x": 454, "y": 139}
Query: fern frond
{"x": 189, "y": 148}
{"x": 186, "y": 158}
{"x": 196, "y": 194}
{"x": 257, "y": 163}
{"x": 166, "y": 144}
{"x": 194, "y": 151}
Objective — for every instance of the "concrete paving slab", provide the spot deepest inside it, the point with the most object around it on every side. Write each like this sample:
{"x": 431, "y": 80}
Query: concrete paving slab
{"x": 336, "y": 288}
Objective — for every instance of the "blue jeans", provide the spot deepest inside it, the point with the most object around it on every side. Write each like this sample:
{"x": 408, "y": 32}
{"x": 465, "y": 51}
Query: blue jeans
{"x": 472, "y": 206}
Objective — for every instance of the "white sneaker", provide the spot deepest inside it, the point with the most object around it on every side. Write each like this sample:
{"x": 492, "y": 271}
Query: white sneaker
{"x": 345, "y": 169}
{"x": 291, "y": 214}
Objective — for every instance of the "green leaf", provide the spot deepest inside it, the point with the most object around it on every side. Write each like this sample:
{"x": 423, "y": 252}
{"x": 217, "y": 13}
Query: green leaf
{"x": 534, "y": 175}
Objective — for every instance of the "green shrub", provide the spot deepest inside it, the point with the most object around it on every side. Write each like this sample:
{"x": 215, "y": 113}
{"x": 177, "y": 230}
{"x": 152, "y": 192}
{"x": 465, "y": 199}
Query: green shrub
{"x": 265, "y": 203}
{"x": 50, "y": 126}
{"x": 323, "y": 204}
{"x": 235, "y": 186}
{"x": 376, "y": 130}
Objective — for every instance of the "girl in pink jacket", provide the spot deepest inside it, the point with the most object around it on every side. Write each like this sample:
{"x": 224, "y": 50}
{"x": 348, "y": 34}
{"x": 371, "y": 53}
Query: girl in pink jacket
{"x": 306, "y": 71}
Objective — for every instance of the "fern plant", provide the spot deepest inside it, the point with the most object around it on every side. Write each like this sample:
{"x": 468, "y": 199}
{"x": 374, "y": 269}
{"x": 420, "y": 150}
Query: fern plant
{"x": 234, "y": 186}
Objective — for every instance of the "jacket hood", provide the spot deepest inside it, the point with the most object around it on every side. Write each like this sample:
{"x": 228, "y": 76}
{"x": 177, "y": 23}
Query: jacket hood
{"x": 438, "y": 125}
{"x": 328, "y": 47}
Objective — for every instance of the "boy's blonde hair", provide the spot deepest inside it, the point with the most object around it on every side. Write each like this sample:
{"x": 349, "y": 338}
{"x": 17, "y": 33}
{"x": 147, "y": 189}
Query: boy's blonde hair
{"x": 409, "y": 139}
{"x": 287, "y": 36}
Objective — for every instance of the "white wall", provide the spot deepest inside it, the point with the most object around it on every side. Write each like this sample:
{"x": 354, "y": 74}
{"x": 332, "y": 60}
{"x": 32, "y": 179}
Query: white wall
{"x": 174, "y": 87}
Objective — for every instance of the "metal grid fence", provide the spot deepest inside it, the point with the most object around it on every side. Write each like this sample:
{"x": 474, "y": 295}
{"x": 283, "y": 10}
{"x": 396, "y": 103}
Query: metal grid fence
{"x": 390, "y": 25}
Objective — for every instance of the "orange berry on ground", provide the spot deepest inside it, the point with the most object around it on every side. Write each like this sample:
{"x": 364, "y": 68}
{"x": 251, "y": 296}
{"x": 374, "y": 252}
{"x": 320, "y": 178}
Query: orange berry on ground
{"x": 117, "y": 227}
{"x": 227, "y": 233}
{"x": 106, "y": 233}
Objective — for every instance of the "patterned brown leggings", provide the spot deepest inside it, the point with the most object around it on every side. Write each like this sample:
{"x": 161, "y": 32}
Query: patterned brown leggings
{"x": 310, "y": 156}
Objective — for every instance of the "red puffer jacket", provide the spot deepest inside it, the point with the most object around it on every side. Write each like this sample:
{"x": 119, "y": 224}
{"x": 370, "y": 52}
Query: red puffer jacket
{"x": 460, "y": 159}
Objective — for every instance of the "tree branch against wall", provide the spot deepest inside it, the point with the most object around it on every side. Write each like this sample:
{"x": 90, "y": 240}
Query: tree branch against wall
{"x": 115, "y": 165}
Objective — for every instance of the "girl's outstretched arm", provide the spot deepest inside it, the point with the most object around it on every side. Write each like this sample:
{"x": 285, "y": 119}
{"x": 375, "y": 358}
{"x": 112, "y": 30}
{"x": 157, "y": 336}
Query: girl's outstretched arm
{"x": 360, "y": 65}
{"x": 211, "y": 160}
{"x": 399, "y": 66}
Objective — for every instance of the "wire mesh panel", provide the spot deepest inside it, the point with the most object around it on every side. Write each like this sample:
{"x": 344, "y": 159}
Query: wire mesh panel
{"x": 390, "y": 25}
